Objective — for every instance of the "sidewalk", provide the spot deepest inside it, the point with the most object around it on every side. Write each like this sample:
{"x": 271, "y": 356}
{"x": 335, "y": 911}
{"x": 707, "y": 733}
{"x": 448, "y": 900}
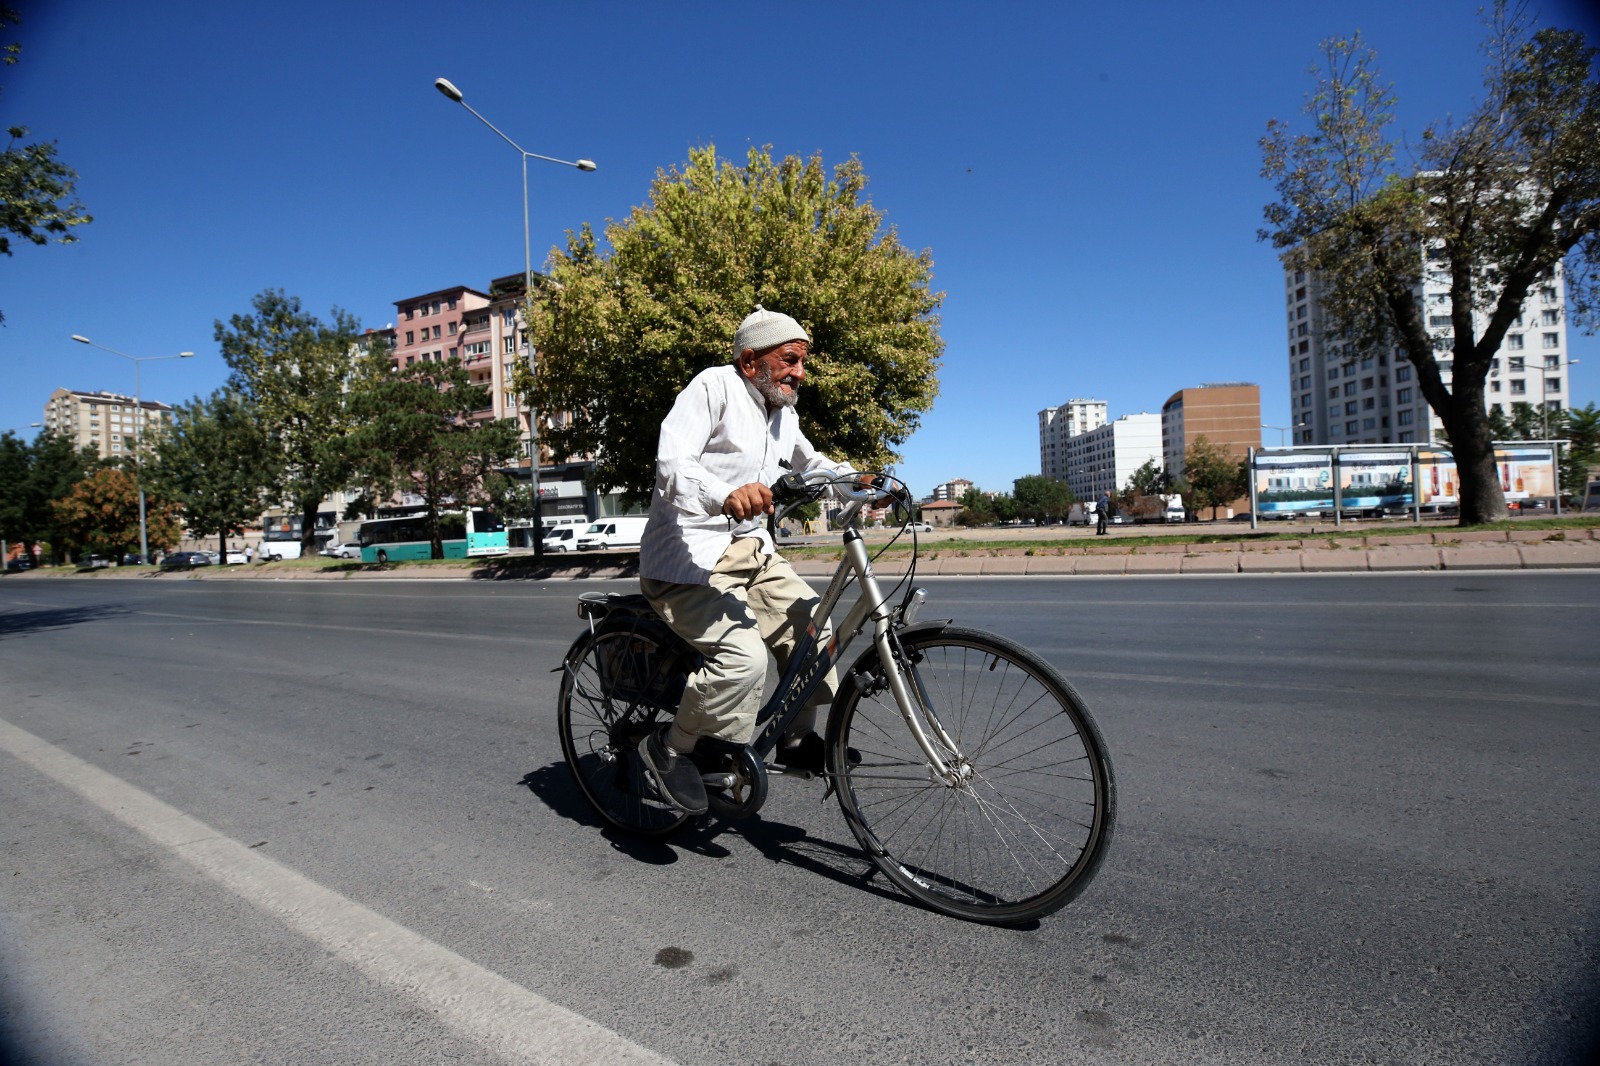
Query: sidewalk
{"x": 1377, "y": 552}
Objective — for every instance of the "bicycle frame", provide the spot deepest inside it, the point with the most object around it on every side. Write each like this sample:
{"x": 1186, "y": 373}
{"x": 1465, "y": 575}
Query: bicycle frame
{"x": 809, "y": 663}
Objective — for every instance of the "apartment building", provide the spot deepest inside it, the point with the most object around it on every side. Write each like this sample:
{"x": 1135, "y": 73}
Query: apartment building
{"x": 108, "y": 422}
{"x": 1104, "y": 458}
{"x": 1058, "y": 424}
{"x": 1343, "y": 397}
{"x": 953, "y": 489}
{"x": 1227, "y": 414}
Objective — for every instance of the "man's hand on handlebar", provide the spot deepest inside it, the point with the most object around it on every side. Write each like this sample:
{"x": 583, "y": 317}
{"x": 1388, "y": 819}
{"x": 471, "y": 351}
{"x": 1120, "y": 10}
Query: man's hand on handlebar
{"x": 747, "y": 501}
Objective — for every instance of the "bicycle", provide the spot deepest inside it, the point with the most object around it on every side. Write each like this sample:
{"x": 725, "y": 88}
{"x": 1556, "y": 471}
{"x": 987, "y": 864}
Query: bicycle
{"x": 968, "y": 769}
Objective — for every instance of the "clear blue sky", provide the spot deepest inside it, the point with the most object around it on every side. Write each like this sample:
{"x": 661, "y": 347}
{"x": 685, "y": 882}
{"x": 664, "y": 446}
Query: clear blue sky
{"x": 1085, "y": 176}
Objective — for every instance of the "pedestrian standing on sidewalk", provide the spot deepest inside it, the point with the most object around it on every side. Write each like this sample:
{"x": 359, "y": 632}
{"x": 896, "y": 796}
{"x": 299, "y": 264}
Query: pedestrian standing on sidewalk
{"x": 1102, "y": 514}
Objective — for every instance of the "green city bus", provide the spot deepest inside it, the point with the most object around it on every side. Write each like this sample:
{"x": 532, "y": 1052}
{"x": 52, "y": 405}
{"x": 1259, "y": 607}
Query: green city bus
{"x": 473, "y": 533}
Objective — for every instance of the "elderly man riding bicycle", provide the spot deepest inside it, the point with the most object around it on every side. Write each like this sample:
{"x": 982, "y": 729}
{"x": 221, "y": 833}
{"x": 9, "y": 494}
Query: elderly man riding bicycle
{"x": 708, "y": 565}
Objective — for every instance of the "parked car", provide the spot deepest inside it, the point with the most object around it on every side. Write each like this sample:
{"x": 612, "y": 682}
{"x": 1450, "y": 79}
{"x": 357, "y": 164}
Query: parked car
{"x": 235, "y": 557}
{"x": 921, "y": 527}
{"x": 21, "y": 562}
{"x": 341, "y": 551}
{"x": 93, "y": 562}
{"x": 185, "y": 560}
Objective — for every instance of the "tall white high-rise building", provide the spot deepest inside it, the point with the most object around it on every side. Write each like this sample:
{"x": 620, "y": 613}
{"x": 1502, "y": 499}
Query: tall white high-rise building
{"x": 1103, "y": 459}
{"x": 1374, "y": 398}
{"x": 1058, "y": 424}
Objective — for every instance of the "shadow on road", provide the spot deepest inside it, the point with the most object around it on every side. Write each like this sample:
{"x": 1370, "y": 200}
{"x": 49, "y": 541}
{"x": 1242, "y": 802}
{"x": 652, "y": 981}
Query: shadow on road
{"x": 21, "y": 623}
{"x": 776, "y": 841}
{"x": 526, "y": 567}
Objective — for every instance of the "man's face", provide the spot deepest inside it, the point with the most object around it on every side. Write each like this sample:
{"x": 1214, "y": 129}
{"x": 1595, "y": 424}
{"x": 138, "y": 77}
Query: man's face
{"x": 777, "y": 372}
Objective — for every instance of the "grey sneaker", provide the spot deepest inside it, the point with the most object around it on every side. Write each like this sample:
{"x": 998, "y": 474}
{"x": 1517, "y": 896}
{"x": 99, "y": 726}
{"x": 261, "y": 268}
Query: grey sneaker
{"x": 676, "y": 776}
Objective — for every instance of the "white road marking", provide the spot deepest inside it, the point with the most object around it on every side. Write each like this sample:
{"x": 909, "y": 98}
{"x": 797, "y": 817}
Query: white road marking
{"x": 480, "y": 1005}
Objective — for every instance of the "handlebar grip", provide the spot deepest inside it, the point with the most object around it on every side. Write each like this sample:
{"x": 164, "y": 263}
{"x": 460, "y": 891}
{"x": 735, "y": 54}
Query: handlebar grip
{"x": 791, "y": 488}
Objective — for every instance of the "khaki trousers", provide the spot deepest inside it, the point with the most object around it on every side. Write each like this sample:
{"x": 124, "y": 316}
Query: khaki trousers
{"x": 754, "y": 602}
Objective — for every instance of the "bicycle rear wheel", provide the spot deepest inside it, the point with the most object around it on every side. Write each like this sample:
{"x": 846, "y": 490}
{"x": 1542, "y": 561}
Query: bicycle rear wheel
{"x": 1024, "y": 829}
{"x": 609, "y": 701}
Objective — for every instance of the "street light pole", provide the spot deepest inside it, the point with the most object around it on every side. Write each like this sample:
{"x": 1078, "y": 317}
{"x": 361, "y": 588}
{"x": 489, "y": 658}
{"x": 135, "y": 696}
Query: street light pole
{"x": 452, "y": 93}
{"x": 138, "y": 432}
{"x": 1544, "y": 395}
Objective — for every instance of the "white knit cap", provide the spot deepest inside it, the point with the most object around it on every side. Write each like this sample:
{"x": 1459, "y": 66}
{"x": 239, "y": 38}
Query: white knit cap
{"x": 764, "y": 329}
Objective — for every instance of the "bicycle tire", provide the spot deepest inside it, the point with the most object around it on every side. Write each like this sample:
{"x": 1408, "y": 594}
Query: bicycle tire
{"x": 604, "y": 710}
{"x": 1029, "y": 825}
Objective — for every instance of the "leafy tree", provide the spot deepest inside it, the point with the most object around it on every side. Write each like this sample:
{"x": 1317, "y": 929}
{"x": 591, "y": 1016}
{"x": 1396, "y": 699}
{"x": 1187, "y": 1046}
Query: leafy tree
{"x": 1212, "y": 476}
{"x": 101, "y": 513}
{"x": 295, "y": 371}
{"x": 977, "y": 509}
{"x": 1491, "y": 206}
{"x": 37, "y": 202}
{"x": 620, "y": 333}
{"x": 32, "y": 476}
{"x": 1042, "y": 499}
{"x": 215, "y": 460}
{"x": 16, "y": 466}
{"x": 416, "y": 435}
{"x": 1148, "y": 480}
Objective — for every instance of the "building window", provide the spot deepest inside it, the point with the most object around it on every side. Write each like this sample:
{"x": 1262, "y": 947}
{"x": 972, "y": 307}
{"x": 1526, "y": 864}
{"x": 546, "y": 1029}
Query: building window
{"x": 1403, "y": 396}
{"x": 1349, "y": 388}
{"x": 509, "y": 345}
{"x": 1350, "y": 408}
{"x": 1333, "y": 373}
{"x": 1403, "y": 418}
{"x": 1549, "y": 317}
{"x": 1514, "y": 342}
{"x": 1519, "y": 387}
{"x": 411, "y": 336}
{"x": 1552, "y": 384}
{"x": 1305, "y": 382}
{"x": 1366, "y": 383}
{"x": 1552, "y": 362}
{"x": 1350, "y": 428}
{"x": 1552, "y": 340}
{"x": 1402, "y": 373}
{"x": 1494, "y": 386}
{"x": 1368, "y": 403}
{"x": 1516, "y": 365}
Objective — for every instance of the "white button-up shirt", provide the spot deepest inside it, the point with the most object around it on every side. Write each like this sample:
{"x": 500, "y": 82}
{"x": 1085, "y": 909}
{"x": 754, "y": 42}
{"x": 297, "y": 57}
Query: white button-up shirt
{"x": 718, "y": 436}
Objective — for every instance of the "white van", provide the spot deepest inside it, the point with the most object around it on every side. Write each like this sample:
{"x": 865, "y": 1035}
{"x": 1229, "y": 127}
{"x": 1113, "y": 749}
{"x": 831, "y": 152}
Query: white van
{"x": 552, "y": 522}
{"x": 560, "y": 539}
{"x": 624, "y": 531}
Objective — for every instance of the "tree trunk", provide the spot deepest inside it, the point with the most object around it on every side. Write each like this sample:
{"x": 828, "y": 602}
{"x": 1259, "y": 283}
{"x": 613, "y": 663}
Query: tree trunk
{"x": 1471, "y": 442}
{"x": 308, "y": 527}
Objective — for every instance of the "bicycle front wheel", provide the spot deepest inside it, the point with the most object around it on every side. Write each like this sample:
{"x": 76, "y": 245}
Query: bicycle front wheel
{"x": 605, "y": 709}
{"x": 1025, "y": 822}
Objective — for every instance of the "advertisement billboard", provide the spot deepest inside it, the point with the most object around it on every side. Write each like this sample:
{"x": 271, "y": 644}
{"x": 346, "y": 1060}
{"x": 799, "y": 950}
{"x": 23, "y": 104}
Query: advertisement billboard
{"x": 1527, "y": 473}
{"x": 1369, "y": 480}
{"x": 1293, "y": 481}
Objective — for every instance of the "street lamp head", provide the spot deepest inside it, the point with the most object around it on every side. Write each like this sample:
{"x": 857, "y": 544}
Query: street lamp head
{"x": 444, "y": 86}
{"x": 185, "y": 355}
{"x": 81, "y": 339}
{"x": 588, "y": 164}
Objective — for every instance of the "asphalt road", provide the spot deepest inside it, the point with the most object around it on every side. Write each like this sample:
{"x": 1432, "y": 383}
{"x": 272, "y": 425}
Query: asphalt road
{"x": 329, "y": 822}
